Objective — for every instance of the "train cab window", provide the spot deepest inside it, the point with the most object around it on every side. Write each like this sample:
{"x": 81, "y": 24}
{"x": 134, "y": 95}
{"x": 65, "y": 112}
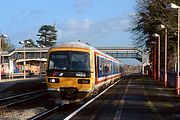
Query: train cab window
{"x": 69, "y": 60}
{"x": 79, "y": 61}
{"x": 58, "y": 61}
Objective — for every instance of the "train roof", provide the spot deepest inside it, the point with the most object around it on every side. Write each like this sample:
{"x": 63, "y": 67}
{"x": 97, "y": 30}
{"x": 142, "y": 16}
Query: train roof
{"x": 75, "y": 44}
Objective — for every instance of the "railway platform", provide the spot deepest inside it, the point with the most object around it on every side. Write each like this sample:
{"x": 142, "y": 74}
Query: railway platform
{"x": 135, "y": 97}
{"x": 16, "y": 86}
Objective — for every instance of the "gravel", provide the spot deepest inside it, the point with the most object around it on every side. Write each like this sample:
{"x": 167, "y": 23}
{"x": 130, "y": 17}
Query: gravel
{"x": 18, "y": 87}
{"x": 20, "y": 114}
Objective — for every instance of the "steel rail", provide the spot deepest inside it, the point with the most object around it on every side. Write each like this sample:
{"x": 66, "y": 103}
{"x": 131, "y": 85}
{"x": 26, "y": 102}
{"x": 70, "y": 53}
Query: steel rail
{"x": 21, "y": 95}
{"x": 44, "y": 114}
{"x": 6, "y": 102}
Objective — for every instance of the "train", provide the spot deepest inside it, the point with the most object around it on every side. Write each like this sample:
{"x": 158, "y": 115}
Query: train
{"x": 76, "y": 70}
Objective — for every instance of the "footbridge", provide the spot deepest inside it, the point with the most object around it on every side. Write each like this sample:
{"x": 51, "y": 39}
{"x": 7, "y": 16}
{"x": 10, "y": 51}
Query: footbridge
{"x": 123, "y": 52}
{"x": 127, "y": 52}
{"x": 36, "y": 53}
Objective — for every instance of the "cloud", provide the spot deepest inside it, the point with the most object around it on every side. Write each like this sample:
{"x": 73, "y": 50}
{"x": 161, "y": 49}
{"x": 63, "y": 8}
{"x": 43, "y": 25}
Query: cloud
{"x": 36, "y": 13}
{"x": 87, "y": 29}
{"x": 99, "y": 33}
{"x": 26, "y": 33}
{"x": 115, "y": 24}
{"x": 77, "y": 24}
{"x": 82, "y": 5}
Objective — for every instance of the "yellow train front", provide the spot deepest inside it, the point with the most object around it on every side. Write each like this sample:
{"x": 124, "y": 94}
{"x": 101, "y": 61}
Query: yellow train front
{"x": 75, "y": 70}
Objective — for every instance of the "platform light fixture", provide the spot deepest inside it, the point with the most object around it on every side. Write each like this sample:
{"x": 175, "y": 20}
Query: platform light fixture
{"x": 1, "y": 38}
{"x": 40, "y": 47}
{"x": 168, "y": 7}
{"x": 165, "y": 53}
{"x": 24, "y": 45}
{"x": 158, "y": 36}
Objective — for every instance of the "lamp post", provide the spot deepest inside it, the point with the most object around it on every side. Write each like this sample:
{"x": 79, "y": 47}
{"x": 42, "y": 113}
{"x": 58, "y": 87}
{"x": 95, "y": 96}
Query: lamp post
{"x": 158, "y": 36}
{"x": 1, "y": 38}
{"x": 147, "y": 61}
{"x": 146, "y": 54}
{"x": 41, "y": 46}
{"x": 24, "y": 45}
{"x": 153, "y": 60}
{"x": 165, "y": 54}
{"x": 174, "y": 6}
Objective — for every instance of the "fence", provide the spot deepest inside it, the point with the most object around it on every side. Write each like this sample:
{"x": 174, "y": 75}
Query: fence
{"x": 171, "y": 78}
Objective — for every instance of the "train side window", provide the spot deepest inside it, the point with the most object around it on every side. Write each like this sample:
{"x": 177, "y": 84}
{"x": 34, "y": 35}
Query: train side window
{"x": 106, "y": 69}
{"x": 99, "y": 64}
{"x": 103, "y": 67}
{"x": 114, "y": 68}
{"x": 110, "y": 67}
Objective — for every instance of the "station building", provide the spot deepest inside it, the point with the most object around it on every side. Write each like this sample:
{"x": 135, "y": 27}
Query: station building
{"x": 33, "y": 58}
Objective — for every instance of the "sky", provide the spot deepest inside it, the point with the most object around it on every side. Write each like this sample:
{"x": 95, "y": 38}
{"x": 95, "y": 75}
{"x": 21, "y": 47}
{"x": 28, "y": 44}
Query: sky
{"x": 101, "y": 23}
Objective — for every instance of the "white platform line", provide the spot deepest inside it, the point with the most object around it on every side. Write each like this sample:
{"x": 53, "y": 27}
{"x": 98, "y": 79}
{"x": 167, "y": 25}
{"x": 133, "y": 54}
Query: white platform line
{"x": 122, "y": 101}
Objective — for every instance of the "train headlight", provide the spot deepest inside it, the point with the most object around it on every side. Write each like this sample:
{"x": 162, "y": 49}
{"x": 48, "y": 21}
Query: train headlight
{"x": 83, "y": 81}
{"x": 80, "y": 74}
{"x": 53, "y": 80}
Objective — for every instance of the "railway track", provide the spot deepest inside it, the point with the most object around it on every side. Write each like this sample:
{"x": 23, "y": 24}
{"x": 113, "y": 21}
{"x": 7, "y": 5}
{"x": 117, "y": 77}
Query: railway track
{"x": 17, "y": 99}
{"x": 44, "y": 114}
{"x": 66, "y": 111}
